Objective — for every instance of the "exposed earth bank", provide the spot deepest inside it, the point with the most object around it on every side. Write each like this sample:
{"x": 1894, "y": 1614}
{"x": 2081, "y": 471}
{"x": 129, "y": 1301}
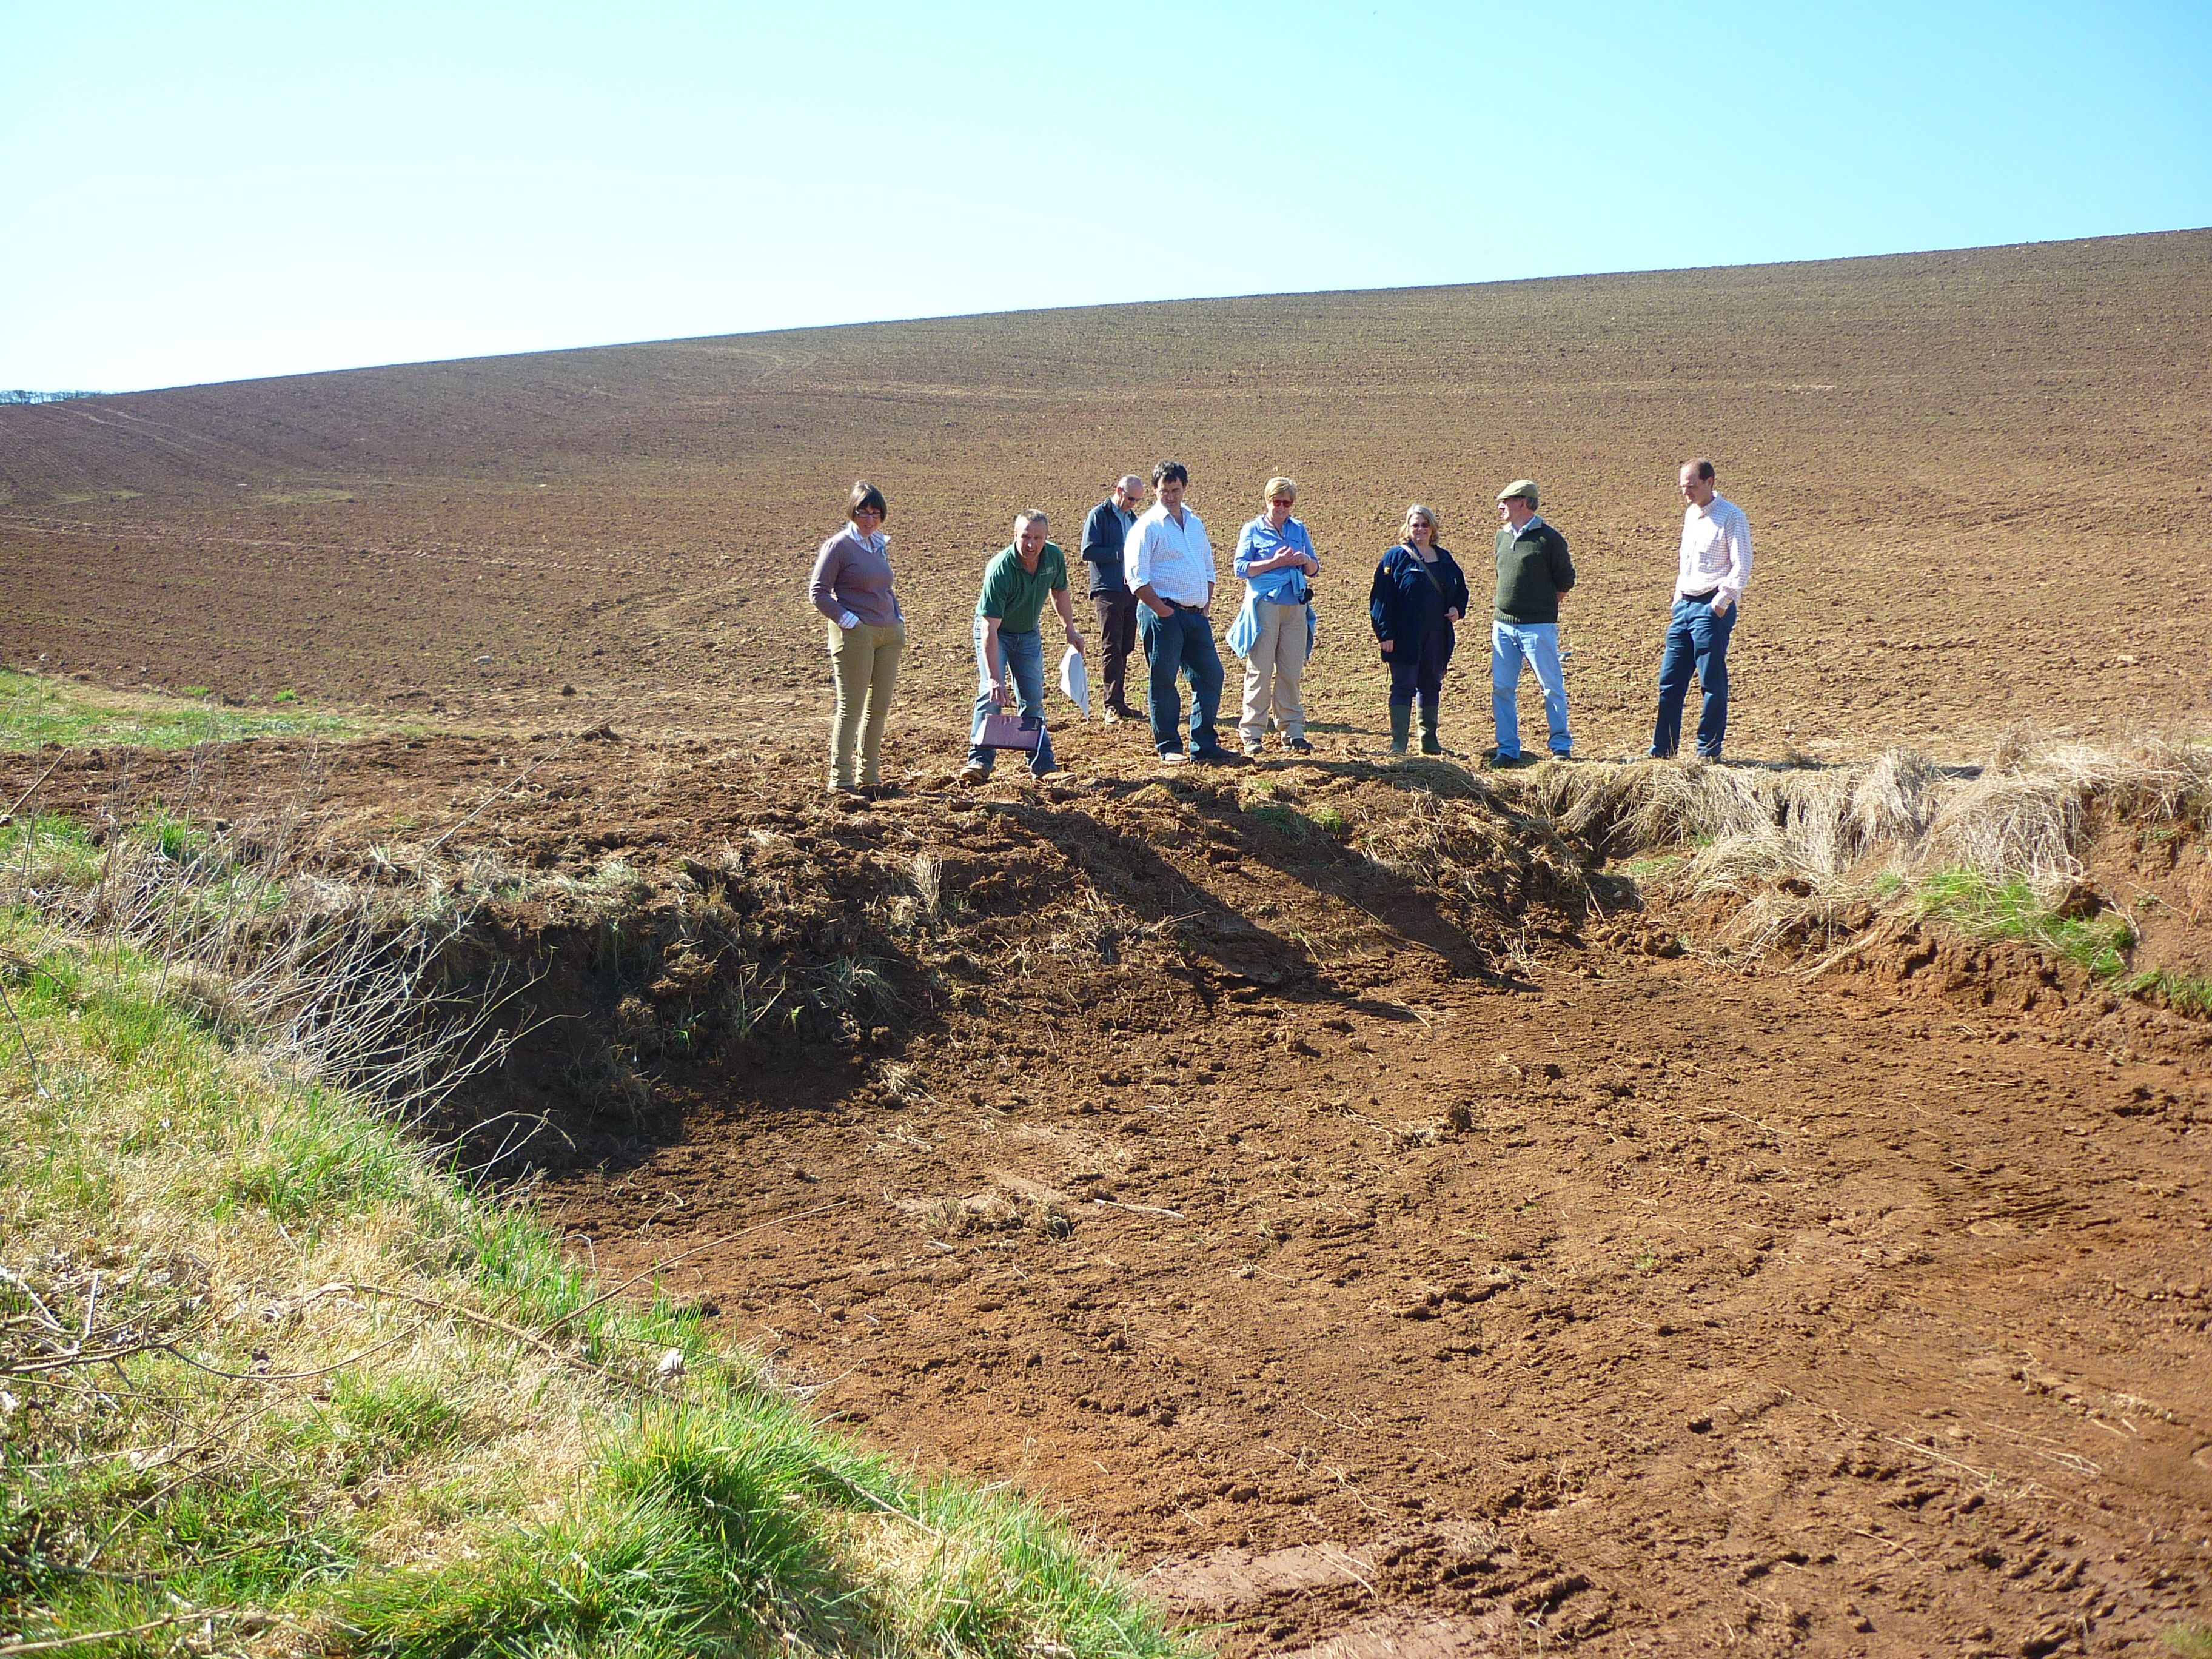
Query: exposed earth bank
{"x": 1395, "y": 1230}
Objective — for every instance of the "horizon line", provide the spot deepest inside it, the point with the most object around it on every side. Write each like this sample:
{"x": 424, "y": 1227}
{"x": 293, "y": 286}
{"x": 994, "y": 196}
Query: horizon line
{"x": 28, "y": 397}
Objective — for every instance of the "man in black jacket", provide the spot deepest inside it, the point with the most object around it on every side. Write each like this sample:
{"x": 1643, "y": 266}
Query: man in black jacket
{"x": 1534, "y": 569}
{"x": 1103, "y": 533}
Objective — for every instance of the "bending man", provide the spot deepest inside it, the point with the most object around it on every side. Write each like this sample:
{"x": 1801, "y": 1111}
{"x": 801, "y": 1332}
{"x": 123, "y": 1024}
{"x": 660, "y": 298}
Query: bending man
{"x": 1007, "y": 642}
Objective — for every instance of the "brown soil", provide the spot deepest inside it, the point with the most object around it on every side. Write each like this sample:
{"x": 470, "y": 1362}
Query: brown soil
{"x": 1389, "y": 1235}
{"x": 1382, "y": 1277}
{"x": 1977, "y": 481}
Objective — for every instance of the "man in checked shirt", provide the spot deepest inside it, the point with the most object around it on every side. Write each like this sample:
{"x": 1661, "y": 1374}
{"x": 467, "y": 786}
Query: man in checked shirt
{"x": 1716, "y": 563}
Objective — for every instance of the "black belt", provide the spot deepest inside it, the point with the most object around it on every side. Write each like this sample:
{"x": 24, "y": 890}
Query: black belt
{"x": 1705, "y": 598}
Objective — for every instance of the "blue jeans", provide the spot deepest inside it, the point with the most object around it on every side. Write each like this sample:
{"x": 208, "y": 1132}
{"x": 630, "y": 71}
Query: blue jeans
{"x": 1538, "y": 643}
{"x": 1024, "y": 656}
{"x": 1182, "y": 643}
{"x": 1696, "y": 639}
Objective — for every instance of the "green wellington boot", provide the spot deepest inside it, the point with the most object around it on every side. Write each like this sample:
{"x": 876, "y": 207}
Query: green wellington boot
{"x": 1431, "y": 744}
{"x": 1401, "y": 724}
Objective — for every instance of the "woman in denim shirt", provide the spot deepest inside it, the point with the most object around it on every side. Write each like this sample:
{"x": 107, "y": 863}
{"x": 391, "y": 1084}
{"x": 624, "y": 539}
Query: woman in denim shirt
{"x": 1418, "y": 592}
{"x": 1274, "y": 630}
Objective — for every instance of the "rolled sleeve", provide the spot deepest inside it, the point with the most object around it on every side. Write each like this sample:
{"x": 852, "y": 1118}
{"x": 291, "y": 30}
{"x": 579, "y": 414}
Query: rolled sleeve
{"x": 1739, "y": 551}
{"x": 1137, "y": 556}
{"x": 1248, "y": 549}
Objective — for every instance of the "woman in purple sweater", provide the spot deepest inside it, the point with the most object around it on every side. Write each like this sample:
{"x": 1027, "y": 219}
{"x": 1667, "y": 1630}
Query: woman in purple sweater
{"x": 852, "y": 586}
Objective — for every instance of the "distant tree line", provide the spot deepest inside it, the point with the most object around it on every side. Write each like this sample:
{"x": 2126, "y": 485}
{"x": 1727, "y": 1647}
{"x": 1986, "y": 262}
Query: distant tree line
{"x": 21, "y": 395}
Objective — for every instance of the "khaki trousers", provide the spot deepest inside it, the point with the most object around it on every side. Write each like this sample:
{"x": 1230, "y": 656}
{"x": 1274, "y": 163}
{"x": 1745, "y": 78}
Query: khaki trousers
{"x": 864, "y": 662}
{"x": 1272, "y": 674}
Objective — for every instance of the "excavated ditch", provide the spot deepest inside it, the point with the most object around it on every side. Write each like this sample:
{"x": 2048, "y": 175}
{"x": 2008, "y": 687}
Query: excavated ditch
{"x": 1348, "y": 1198}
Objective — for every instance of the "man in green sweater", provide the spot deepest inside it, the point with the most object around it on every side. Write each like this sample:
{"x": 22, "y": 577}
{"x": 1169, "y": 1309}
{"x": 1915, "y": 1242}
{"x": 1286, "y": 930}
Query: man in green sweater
{"x": 1009, "y": 644}
{"x": 1534, "y": 569}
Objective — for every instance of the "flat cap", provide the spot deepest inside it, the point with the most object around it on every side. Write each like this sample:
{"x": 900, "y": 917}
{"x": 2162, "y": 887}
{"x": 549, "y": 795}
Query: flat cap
{"x": 1524, "y": 488}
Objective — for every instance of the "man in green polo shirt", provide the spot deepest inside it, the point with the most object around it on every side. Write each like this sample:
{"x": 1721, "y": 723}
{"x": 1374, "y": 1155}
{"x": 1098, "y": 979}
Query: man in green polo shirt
{"x": 1008, "y": 644}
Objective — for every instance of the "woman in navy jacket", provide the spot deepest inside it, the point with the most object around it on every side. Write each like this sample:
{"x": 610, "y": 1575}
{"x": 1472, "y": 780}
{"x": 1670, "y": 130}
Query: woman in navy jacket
{"x": 1418, "y": 592}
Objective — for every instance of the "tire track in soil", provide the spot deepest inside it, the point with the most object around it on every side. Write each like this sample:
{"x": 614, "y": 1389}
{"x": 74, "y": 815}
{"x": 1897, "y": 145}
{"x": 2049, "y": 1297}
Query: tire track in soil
{"x": 1739, "y": 1312}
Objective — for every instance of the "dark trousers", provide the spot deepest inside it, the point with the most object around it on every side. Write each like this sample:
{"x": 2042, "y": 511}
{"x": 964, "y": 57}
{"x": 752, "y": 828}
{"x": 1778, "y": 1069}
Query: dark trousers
{"x": 1117, "y": 638}
{"x": 1697, "y": 640}
{"x": 1419, "y": 664}
{"x": 1182, "y": 643}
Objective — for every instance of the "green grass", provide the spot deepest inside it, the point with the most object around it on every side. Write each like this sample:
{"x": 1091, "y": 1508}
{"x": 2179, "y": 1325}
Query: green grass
{"x": 459, "y": 1449}
{"x": 2185, "y": 993}
{"x": 1328, "y": 820}
{"x": 179, "y": 839}
{"x": 2009, "y": 909}
{"x": 2190, "y": 1641}
{"x": 35, "y": 711}
{"x": 48, "y": 848}
{"x": 312, "y": 1162}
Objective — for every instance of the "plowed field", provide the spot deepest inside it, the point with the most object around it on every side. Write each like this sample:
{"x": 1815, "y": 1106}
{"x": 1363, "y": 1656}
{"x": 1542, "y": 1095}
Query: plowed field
{"x": 1977, "y": 483}
{"x": 1395, "y": 1243}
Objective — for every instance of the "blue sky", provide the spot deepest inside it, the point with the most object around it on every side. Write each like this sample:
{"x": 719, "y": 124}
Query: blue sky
{"x": 224, "y": 191}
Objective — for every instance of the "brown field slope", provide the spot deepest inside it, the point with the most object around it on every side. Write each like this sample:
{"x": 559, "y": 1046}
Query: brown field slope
{"x": 1977, "y": 483}
{"x": 1329, "y": 1183}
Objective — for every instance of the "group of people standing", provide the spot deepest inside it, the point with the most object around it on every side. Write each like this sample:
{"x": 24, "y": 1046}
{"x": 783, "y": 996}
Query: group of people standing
{"x": 1152, "y": 580}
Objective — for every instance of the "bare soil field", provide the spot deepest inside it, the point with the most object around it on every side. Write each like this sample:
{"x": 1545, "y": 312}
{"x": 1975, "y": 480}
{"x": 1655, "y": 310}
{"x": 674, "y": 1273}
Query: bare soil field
{"x": 1977, "y": 482}
{"x": 1346, "y": 1198}
{"x": 1377, "y": 1211}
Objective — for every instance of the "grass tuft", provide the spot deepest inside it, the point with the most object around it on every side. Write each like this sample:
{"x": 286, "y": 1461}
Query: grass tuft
{"x": 2010, "y": 909}
{"x": 2185, "y": 993}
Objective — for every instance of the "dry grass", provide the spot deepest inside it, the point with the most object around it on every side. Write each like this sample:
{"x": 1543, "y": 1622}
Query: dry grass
{"x": 1450, "y": 832}
{"x": 1092, "y": 927}
{"x": 1812, "y": 849}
